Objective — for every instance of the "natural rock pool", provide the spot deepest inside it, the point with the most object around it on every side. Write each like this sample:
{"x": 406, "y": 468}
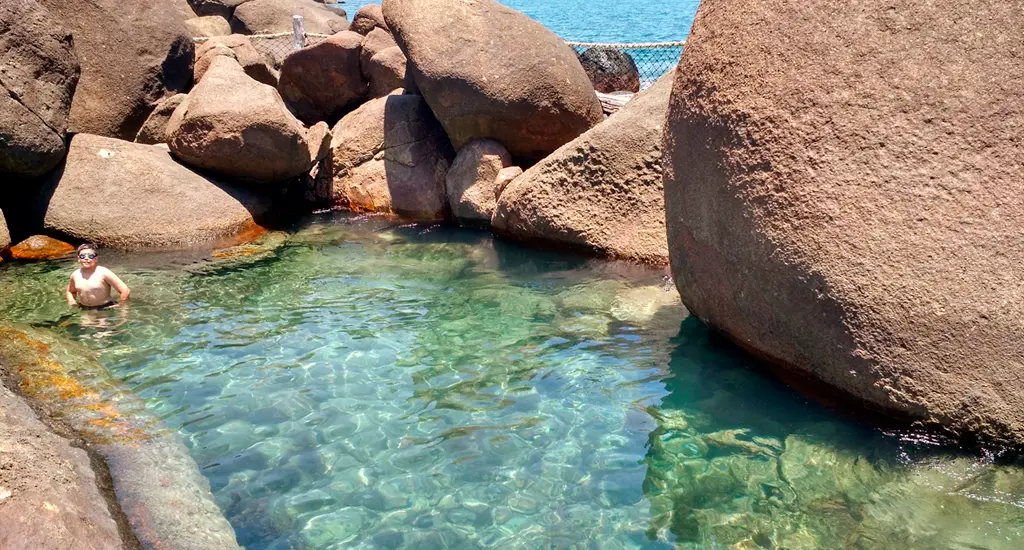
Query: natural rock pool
{"x": 355, "y": 384}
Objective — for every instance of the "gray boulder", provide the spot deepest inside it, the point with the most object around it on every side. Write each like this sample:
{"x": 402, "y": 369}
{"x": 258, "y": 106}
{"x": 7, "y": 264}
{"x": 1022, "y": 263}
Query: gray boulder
{"x": 155, "y": 129}
{"x": 844, "y": 189}
{"x": 472, "y": 180}
{"x": 488, "y": 71}
{"x": 611, "y": 70}
{"x": 322, "y": 81}
{"x": 602, "y": 192}
{"x": 237, "y": 127}
{"x": 38, "y": 75}
{"x": 219, "y": 8}
{"x": 138, "y": 52}
{"x": 392, "y": 157}
{"x": 128, "y": 195}
{"x": 273, "y": 16}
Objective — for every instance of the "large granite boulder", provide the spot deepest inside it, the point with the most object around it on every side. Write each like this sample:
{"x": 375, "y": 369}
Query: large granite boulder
{"x": 600, "y": 193}
{"x": 472, "y": 181}
{"x": 369, "y": 17}
{"x": 237, "y": 127}
{"x": 844, "y": 189}
{"x": 155, "y": 128}
{"x": 242, "y": 50}
{"x": 273, "y": 16}
{"x": 220, "y": 8}
{"x": 385, "y": 71}
{"x": 38, "y": 76}
{"x": 322, "y": 81}
{"x": 488, "y": 71}
{"x": 49, "y": 494}
{"x": 611, "y": 70}
{"x": 375, "y": 41}
{"x": 128, "y": 195}
{"x": 209, "y": 25}
{"x": 392, "y": 156}
{"x": 133, "y": 53}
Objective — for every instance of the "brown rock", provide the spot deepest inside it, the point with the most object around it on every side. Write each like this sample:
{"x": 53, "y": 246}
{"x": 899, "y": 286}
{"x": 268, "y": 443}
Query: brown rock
{"x": 369, "y": 17}
{"x": 322, "y": 81}
{"x": 41, "y": 247}
{"x": 232, "y": 125}
{"x": 392, "y": 158}
{"x": 845, "y": 198}
{"x": 49, "y": 497}
{"x": 385, "y": 71}
{"x": 209, "y": 25}
{"x": 611, "y": 70}
{"x": 602, "y": 192}
{"x": 254, "y": 64}
{"x": 272, "y": 16}
{"x": 155, "y": 129}
{"x": 38, "y": 75}
{"x": 472, "y": 178}
{"x": 376, "y": 41}
{"x": 219, "y": 8}
{"x": 505, "y": 177}
{"x": 488, "y": 71}
{"x": 127, "y": 195}
{"x": 5, "y": 235}
{"x": 133, "y": 53}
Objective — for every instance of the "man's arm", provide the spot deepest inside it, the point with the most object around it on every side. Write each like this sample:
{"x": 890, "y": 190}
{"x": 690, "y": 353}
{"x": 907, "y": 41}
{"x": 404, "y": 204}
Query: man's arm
{"x": 116, "y": 282}
{"x": 70, "y": 291}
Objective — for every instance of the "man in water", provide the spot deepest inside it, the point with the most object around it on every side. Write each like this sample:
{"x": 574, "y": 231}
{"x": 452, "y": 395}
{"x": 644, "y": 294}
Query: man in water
{"x": 90, "y": 284}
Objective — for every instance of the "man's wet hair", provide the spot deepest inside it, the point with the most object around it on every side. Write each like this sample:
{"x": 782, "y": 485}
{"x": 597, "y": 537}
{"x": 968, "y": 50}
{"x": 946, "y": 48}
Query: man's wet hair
{"x": 90, "y": 246}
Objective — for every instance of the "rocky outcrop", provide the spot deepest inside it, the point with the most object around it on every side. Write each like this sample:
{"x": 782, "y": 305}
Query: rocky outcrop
{"x": 385, "y": 71}
{"x": 220, "y": 8}
{"x": 239, "y": 128}
{"x": 472, "y": 181}
{"x": 376, "y": 41}
{"x": 210, "y": 25}
{"x": 322, "y": 81}
{"x": 271, "y": 16}
{"x": 133, "y": 53}
{"x": 38, "y": 75}
{"x": 488, "y": 71}
{"x": 844, "y": 199}
{"x": 602, "y": 192}
{"x": 241, "y": 50}
{"x": 155, "y": 129}
{"x": 369, "y": 17}
{"x": 49, "y": 494}
{"x": 611, "y": 70}
{"x": 41, "y": 247}
{"x": 127, "y": 195}
{"x": 392, "y": 157}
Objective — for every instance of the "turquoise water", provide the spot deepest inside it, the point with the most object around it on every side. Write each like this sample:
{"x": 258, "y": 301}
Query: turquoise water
{"x": 355, "y": 384}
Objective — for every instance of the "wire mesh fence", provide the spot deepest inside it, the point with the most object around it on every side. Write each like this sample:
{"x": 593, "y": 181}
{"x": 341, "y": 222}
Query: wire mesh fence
{"x": 647, "y": 60}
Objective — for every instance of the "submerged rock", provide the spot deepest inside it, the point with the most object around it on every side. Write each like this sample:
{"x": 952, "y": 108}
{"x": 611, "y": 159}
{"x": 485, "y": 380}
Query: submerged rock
{"x": 138, "y": 52}
{"x": 41, "y": 247}
{"x": 841, "y": 216}
{"x": 602, "y": 192}
{"x": 488, "y": 71}
{"x": 611, "y": 70}
{"x": 40, "y": 73}
{"x": 235, "y": 126}
{"x": 167, "y": 501}
{"x": 127, "y": 195}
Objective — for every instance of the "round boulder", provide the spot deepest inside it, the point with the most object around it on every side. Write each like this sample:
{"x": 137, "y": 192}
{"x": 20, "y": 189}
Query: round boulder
{"x": 602, "y": 192}
{"x": 242, "y": 50}
{"x": 127, "y": 195}
{"x": 273, "y": 16}
{"x": 488, "y": 71}
{"x": 322, "y": 81}
{"x": 385, "y": 71}
{"x": 369, "y": 17}
{"x": 376, "y": 41}
{"x": 237, "y": 127}
{"x": 844, "y": 189}
{"x": 210, "y": 25}
{"x": 611, "y": 70}
{"x": 155, "y": 129}
{"x": 138, "y": 52}
{"x": 39, "y": 73}
{"x": 472, "y": 178}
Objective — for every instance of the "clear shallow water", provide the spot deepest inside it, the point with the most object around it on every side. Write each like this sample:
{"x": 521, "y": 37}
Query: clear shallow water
{"x": 357, "y": 385}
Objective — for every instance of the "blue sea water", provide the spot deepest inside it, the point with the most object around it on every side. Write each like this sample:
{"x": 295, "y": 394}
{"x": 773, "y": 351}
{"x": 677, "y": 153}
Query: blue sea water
{"x": 614, "y": 21}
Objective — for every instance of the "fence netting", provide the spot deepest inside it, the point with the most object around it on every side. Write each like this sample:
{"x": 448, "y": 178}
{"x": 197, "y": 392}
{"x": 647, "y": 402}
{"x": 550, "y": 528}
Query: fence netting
{"x": 651, "y": 59}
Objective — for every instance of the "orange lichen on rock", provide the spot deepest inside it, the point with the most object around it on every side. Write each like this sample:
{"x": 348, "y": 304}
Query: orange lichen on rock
{"x": 40, "y": 247}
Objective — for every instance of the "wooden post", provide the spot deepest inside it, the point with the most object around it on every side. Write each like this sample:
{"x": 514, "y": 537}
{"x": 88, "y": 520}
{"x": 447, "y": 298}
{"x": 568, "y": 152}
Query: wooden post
{"x": 298, "y": 33}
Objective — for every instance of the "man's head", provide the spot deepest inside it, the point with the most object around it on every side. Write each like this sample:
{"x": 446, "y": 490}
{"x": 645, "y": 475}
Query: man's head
{"x": 87, "y": 255}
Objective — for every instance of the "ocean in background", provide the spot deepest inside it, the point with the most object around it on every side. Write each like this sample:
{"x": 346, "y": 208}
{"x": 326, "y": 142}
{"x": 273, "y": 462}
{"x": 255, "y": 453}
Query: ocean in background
{"x": 613, "y": 21}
